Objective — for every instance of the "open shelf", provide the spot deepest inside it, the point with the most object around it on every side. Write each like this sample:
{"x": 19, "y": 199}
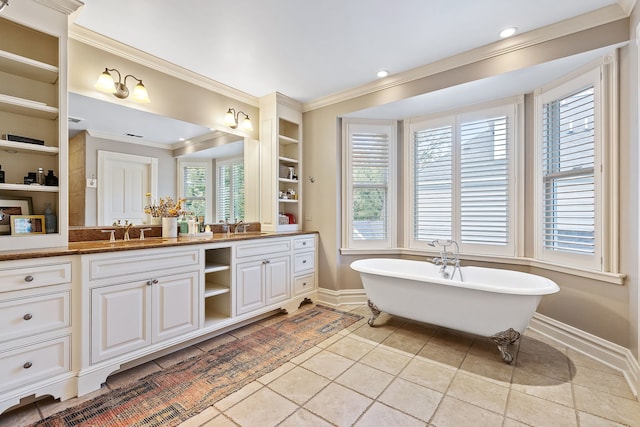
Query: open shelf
{"x": 27, "y": 67}
{"x": 27, "y": 107}
{"x": 212, "y": 268}
{"x": 284, "y": 140}
{"x": 213, "y": 289}
{"x": 22, "y": 187}
{"x": 288, "y": 160}
{"x": 23, "y": 147}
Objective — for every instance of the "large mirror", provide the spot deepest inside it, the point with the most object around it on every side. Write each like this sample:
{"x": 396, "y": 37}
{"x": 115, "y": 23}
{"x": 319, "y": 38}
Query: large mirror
{"x": 111, "y": 145}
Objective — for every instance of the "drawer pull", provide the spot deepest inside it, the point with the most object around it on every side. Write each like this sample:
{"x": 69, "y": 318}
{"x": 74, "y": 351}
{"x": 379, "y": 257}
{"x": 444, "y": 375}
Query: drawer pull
{"x": 266, "y": 261}
{"x": 28, "y": 279}
{"x": 27, "y": 365}
{"x": 152, "y": 282}
{"x": 27, "y": 316}
{"x": 304, "y": 243}
{"x": 304, "y": 261}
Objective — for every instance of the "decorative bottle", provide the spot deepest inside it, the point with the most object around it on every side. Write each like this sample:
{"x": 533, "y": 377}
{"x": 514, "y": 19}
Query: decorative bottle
{"x": 51, "y": 180}
{"x": 50, "y": 219}
{"x": 1, "y": 175}
{"x": 40, "y": 176}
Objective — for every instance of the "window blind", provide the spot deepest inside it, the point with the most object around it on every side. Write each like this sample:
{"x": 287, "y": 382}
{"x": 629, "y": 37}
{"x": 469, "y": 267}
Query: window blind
{"x": 230, "y": 191}
{"x": 568, "y": 175}
{"x": 194, "y": 180}
{"x": 370, "y": 181}
{"x": 484, "y": 182}
{"x": 433, "y": 183}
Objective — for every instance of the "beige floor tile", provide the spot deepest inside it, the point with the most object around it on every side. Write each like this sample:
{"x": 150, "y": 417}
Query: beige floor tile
{"x": 376, "y": 334}
{"x": 213, "y": 343}
{"x": 413, "y": 399}
{"x": 351, "y": 348}
{"x": 330, "y": 341}
{"x": 386, "y": 360}
{"x": 436, "y": 376}
{"x": 492, "y": 368}
{"x": 49, "y": 407}
{"x": 539, "y": 412}
{"x": 442, "y": 354}
{"x": 588, "y": 420}
{"x": 130, "y": 375}
{"x": 338, "y": 405}
{"x": 536, "y": 342}
{"x": 178, "y": 356}
{"x": 304, "y": 418}
{"x": 276, "y": 373}
{"x": 263, "y": 408}
{"x": 453, "y": 340}
{"x": 479, "y": 392}
{"x": 547, "y": 388}
{"x": 306, "y": 355}
{"x": 365, "y": 379}
{"x": 549, "y": 364}
{"x": 404, "y": 343}
{"x": 603, "y": 381}
{"x": 238, "y": 396}
{"x": 381, "y": 415}
{"x": 456, "y": 413}
{"x": 299, "y": 385}
{"x": 202, "y": 418}
{"x": 579, "y": 359}
{"x": 508, "y": 422}
{"x": 220, "y": 421}
{"x": 20, "y": 417}
{"x": 328, "y": 364}
{"x": 608, "y": 406}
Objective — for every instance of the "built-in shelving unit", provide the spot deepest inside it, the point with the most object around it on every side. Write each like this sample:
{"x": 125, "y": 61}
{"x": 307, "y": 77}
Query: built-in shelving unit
{"x": 33, "y": 104}
{"x": 217, "y": 285}
{"x": 281, "y": 160}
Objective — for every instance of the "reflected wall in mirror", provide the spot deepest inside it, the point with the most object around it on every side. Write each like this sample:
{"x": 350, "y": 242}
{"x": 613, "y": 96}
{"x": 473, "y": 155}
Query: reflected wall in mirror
{"x": 96, "y": 125}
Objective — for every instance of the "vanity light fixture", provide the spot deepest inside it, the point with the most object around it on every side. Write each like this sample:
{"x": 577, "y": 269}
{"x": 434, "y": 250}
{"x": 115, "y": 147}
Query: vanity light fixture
{"x": 119, "y": 89}
{"x": 508, "y": 32}
{"x": 231, "y": 120}
{"x": 3, "y": 4}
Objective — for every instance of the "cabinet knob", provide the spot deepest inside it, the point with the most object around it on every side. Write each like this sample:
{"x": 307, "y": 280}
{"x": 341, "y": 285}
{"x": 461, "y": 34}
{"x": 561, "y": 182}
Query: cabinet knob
{"x": 27, "y": 316}
{"x": 266, "y": 261}
{"x": 27, "y": 365}
{"x": 152, "y": 282}
{"x": 304, "y": 243}
{"x": 304, "y": 261}
{"x": 28, "y": 279}
{"x": 304, "y": 284}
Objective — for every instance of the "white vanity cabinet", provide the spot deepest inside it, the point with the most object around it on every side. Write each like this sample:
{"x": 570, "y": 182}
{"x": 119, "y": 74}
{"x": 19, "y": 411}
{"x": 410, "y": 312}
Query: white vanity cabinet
{"x": 35, "y": 329}
{"x": 262, "y": 274}
{"x": 304, "y": 264}
{"x": 140, "y": 298}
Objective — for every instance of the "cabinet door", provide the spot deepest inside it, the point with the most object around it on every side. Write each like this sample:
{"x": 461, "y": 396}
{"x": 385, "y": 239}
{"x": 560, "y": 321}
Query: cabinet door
{"x": 175, "y": 305}
{"x": 120, "y": 319}
{"x": 277, "y": 279}
{"x": 249, "y": 286}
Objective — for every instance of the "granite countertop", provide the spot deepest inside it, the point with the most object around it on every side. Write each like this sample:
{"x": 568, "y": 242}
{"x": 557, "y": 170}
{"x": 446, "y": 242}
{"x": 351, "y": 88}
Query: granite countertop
{"x": 97, "y": 246}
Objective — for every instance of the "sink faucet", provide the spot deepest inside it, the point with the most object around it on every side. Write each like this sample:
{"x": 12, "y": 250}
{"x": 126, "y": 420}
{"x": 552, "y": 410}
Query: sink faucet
{"x": 239, "y": 224}
{"x": 447, "y": 257}
{"x": 126, "y": 230}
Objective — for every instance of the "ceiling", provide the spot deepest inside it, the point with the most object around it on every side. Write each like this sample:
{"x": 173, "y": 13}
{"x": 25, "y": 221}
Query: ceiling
{"x": 310, "y": 50}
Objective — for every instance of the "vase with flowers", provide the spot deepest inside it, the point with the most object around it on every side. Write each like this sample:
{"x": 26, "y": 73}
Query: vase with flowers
{"x": 168, "y": 211}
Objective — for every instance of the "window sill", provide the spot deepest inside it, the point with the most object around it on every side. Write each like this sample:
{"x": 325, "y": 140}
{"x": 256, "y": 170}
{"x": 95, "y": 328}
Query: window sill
{"x": 613, "y": 278}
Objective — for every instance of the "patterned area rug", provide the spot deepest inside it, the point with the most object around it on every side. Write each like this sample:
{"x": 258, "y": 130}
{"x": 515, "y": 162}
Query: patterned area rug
{"x": 187, "y": 388}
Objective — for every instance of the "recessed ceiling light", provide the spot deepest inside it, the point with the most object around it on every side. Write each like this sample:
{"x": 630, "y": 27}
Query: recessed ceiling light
{"x": 508, "y": 32}
{"x": 382, "y": 73}
{"x": 181, "y": 139}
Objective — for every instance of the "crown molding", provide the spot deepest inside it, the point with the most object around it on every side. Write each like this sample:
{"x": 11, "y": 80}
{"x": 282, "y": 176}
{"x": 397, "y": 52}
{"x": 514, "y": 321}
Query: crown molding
{"x": 627, "y": 5}
{"x": 579, "y": 23}
{"x": 91, "y": 38}
{"x": 65, "y": 6}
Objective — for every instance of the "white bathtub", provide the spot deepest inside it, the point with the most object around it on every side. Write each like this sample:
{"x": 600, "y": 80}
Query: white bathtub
{"x": 493, "y": 303}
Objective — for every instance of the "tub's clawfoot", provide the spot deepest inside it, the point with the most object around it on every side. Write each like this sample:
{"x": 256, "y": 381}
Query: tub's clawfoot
{"x": 503, "y": 339}
{"x": 375, "y": 312}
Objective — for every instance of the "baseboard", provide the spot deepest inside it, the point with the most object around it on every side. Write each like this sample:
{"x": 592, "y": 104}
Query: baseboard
{"x": 608, "y": 353}
{"x": 612, "y": 355}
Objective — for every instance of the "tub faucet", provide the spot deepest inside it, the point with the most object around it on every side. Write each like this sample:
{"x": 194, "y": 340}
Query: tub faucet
{"x": 447, "y": 257}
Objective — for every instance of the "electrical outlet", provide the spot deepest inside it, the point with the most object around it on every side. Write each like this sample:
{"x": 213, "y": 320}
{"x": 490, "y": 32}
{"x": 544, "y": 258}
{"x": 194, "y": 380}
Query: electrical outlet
{"x": 91, "y": 182}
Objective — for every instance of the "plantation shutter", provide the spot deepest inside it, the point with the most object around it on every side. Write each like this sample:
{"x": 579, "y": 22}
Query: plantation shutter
{"x": 370, "y": 181}
{"x": 568, "y": 174}
{"x": 230, "y": 191}
{"x": 433, "y": 183}
{"x": 194, "y": 180}
{"x": 484, "y": 182}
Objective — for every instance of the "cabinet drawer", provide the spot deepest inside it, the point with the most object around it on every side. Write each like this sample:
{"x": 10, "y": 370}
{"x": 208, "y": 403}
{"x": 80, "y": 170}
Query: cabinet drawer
{"x": 34, "y": 362}
{"x": 29, "y": 316}
{"x": 304, "y": 284}
{"x": 13, "y": 279}
{"x": 304, "y": 261}
{"x": 304, "y": 243}
{"x": 255, "y": 249}
{"x": 132, "y": 264}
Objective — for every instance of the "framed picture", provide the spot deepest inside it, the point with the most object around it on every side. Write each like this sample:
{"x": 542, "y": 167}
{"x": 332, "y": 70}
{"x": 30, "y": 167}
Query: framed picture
{"x": 13, "y": 206}
{"x": 27, "y": 224}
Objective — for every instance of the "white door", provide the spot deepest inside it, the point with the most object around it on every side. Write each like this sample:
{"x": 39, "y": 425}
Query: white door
{"x": 123, "y": 182}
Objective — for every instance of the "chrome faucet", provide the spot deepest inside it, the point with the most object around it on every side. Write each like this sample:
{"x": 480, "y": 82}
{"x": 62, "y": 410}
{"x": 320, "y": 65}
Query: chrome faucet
{"x": 239, "y": 224}
{"x": 447, "y": 257}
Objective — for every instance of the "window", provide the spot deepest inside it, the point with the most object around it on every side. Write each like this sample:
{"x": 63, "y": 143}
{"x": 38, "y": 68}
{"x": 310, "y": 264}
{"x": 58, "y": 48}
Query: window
{"x": 370, "y": 184}
{"x": 230, "y": 190}
{"x": 570, "y": 139}
{"x": 193, "y": 185}
{"x": 463, "y": 180}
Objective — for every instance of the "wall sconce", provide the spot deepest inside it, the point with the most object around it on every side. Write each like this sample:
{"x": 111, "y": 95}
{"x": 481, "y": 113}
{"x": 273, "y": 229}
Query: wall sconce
{"x": 231, "y": 120}
{"x": 119, "y": 89}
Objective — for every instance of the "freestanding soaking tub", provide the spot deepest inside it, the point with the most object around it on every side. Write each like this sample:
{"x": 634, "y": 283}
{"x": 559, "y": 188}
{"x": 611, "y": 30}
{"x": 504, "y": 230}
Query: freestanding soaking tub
{"x": 489, "y": 302}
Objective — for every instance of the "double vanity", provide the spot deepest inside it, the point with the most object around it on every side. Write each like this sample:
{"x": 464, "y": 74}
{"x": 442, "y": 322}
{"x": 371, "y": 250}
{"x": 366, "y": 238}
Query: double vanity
{"x": 71, "y": 316}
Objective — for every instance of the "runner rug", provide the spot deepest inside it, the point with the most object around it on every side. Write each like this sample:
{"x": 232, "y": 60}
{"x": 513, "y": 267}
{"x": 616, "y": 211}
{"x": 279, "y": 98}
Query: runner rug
{"x": 187, "y": 388}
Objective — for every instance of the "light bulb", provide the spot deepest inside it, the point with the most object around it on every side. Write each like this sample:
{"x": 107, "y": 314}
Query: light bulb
{"x": 105, "y": 82}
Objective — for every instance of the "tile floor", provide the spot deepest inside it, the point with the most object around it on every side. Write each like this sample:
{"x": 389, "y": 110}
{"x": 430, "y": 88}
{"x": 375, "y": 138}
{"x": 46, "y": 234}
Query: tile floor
{"x": 404, "y": 373}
